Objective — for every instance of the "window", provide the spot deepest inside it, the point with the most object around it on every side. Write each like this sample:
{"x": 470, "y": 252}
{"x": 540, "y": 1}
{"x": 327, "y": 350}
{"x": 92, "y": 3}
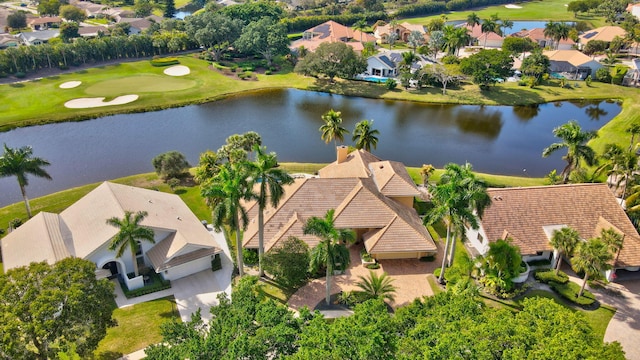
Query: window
{"x": 480, "y": 238}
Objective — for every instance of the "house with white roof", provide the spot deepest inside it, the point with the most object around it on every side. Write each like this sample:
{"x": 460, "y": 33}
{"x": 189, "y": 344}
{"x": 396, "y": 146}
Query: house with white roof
{"x": 183, "y": 246}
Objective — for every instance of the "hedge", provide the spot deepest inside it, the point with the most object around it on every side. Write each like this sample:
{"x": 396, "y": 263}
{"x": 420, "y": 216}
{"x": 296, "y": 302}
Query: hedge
{"x": 421, "y": 9}
{"x": 165, "y": 61}
{"x": 302, "y": 23}
{"x": 158, "y": 285}
{"x": 570, "y": 292}
{"x": 548, "y": 276}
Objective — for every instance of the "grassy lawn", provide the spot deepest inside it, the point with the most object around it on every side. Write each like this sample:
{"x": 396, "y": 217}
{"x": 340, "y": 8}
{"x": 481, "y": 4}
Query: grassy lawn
{"x": 532, "y": 10}
{"x": 598, "y": 319}
{"x": 138, "y": 326}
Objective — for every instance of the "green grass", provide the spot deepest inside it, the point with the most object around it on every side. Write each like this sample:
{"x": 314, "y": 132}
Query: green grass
{"x": 598, "y": 319}
{"x": 531, "y": 10}
{"x": 138, "y": 326}
{"x": 433, "y": 282}
{"x": 146, "y": 83}
{"x": 275, "y": 291}
{"x": 491, "y": 179}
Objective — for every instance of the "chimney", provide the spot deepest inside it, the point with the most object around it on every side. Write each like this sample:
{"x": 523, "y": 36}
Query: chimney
{"x": 342, "y": 152}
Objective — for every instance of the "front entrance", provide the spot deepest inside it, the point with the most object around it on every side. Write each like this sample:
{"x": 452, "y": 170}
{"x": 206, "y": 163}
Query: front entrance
{"x": 113, "y": 267}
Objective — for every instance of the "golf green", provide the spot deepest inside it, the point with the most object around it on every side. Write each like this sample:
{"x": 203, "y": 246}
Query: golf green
{"x": 139, "y": 84}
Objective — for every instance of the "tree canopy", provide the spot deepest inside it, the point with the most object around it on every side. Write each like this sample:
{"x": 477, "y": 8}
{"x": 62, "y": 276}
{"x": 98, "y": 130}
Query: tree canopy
{"x": 266, "y": 37}
{"x": 171, "y": 164}
{"x": 487, "y": 66}
{"x": 335, "y": 59}
{"x": 48, "y": 308}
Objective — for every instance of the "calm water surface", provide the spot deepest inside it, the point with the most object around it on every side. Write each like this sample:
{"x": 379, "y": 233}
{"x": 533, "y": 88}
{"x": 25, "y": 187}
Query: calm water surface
{"x": 495, "y": 139}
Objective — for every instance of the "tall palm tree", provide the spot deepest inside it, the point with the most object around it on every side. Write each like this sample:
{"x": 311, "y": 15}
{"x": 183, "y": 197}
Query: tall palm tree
{"x": 459, "y": 199}
{"x": 489, "y": 26}
{"x": 377, "y": 287}
{"x": 473, "y": 19}
{"x": 561, "y": 32}
{"x": 365, "y": 136}
{"x": 614, "y": 241}
{"x": 360, "y": 25}
{"x": 591, "y": 257}
{"x": 332, "y": 128}
{"x": 550, "y": 30}
{"x": 224, "y": 192}
{"x": 330, "y": 251}
{"x": 506, "y": 24}
{"x": 633, "y": 129}
{"x": 130, "y": 232}
{"x": 455, "y": 38}
{"x": 264, "y": 170}
{"x": 575, "y": 141}
{"x": 20, "y": 163}
{"x": 564, "y": 241}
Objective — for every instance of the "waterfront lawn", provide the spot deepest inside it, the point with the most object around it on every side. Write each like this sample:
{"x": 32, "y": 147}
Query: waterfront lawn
{"x": 137, "y": 327}
{"x": 531, "y": 10}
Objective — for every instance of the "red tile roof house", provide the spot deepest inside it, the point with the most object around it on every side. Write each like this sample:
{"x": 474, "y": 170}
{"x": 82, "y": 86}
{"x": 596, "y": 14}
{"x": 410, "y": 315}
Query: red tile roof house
{"x": 489, "y": 39}
{"x": 529, "y": 215}
{"x": 537, "y": 35}
{"x": 332, "y": 31}
{"x": 43, "y": 23}
{"x": 370, "y": 196}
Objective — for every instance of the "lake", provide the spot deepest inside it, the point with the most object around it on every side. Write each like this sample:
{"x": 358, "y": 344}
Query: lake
{"x": 495, "y": 139}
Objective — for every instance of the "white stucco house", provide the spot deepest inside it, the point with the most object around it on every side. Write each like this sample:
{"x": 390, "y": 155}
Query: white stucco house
{"x": 529, "y": 215}
{"x": 381, "y": 65}
{"x": 183, "y": 246}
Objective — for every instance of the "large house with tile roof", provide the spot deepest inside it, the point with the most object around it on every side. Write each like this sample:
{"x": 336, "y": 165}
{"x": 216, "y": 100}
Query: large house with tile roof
{"x": 403, "y": 30}
{"x": 537, "y": 35}
{"x": 330, "y": 32}
{"x": 370, "y": 196}
{"x": 183, "y": 246}
{"x": 573, "y": 64}
{"x": 529, "y": 215}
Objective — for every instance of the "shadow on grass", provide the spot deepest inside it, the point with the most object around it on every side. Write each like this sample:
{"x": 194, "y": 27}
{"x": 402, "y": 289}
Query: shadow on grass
{"x": 352, "y": 88}
{"x": 512, "y": 96}
{"x": 180, "y": 191}
{"x": 17, "y": 85}
{"x": 108, "y": 355}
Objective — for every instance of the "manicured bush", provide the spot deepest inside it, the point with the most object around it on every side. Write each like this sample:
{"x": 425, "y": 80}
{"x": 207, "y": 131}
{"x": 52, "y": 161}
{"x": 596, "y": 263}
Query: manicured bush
{"x": 288, "y": 263}
{"x": 547, "y": 276}
{"x": 20, "y": 75}
{"x": 391, "y": 84}
{"x": 157, "y": 284}
{"x": 250, "y": 256}
{"x": 450, "y": 59}
{"x": 172, "y": 164}
{"x": 167, "y": 61}
{"x": 373, "y": 266}
{"x": 216, "y": 263}
{"x": 603, "y": 75}
{"x": 268, "y": 72}
{"x": 429, "y": 258}
{"x": 543, "y": 262}
{"x": 15, "y": 223}
{"x": 570, "y": 291}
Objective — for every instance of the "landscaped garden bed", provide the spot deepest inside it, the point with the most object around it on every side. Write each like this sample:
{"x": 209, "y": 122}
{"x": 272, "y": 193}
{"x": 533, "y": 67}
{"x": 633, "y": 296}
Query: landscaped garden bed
{"x": 153, "y": 284}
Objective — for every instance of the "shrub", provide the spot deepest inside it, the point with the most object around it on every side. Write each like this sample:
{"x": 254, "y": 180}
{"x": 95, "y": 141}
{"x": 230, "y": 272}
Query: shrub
{"x": 570, "y": 291}
{"x": 268, "y": 72}
{"x": 588, "y": 81}
{"x": 603, "y": 75}
{"x": 548, "y": 276}
{"x": 159, "y": 62}
{"x": 352, "y": 298}
{"x": 173, "y": 183}
{"x": 216, "y": 263}
{"x": 390, "y": 84}
{"x": 15, "y": 223}
{"x": 250, "y": 256}
{"x": 171, "y": 164}
{"x": 20, "y": 75}
{"x": 373, "y": 266}
{"x": 245, "y": 75}
{"x": 429, "y": 258}
{"x": 157, "y": 284}
{"x": 289, "y": 262}
{"x": 450, "y": 59}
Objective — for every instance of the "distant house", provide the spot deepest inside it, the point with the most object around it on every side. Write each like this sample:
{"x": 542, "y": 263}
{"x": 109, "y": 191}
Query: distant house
{"x": 605, "y": 33}
{"x": 329, "y": 32}
{"x": 182, "y": 246}
{"x": 572, "y": 63}
{"x": 91, "y": 10}
{"x": 370, "y": 196}
{"x": 7, "y": 41}
{"x": 381, "y": 32}
{"x": 634, "y": 9}
{"x": 38, "y": 37}
{"x": 529, "y": 215}
{"x": 43, "y": 23}
{"x": 489, "y": 39}
{"x": 381, "y": 65}
{"x": 537, "y": 36}
{"x": 632, "y": 77}
{"x": 137, "y": 25}
{"x": 92, "y": 31}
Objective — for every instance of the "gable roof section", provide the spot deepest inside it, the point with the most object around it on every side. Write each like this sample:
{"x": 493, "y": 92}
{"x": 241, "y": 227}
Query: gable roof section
{"x": 537, "y": 34}
{"x": 356, "y": 165}
{"x": 331, "y": 31}
{"x": 605, "y": 33}
{"x": 392, "y": 179}
{"x": 524, "y": 212}
{"x": 573, "y": 57}
{"x": 399, "y": 236}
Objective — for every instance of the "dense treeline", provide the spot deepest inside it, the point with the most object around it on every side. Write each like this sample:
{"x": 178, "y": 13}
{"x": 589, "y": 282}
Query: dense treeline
{"x": 301, "y": 23}
{"x": 451, "y": 325}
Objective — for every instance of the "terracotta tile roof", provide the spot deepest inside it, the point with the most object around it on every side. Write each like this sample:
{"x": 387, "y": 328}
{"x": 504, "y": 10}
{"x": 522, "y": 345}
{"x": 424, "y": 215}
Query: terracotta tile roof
{"x": 331, "y": 31}
{"x": 476, "y": 32}
{"x": 537, "y": 34}
{"x": 573, "y": 57}
{"x": 356, "y": 165}
{"x": 160, "y": 259}
{"x": 358, "y": 204}
{"x": 44, "y": 20}
{"x": 392, "y": 179}
{"x": 524, "y": 213}
{"x": 605, "y": 33}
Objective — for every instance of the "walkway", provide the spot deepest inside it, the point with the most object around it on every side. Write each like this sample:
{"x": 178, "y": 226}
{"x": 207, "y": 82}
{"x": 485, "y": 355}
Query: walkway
{"x": 409, "y": 275}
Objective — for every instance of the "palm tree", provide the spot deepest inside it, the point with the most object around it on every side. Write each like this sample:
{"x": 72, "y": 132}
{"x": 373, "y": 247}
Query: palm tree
{"x": 473, "y": 19}
{"x": 550, "y": 30}
{"x": 365, "y": 136}
{"x": 614, "y": 241}
{"x": 377, "y": 287}
{"x": 575, "y": 141}
{"x": 330, "y": 251}
{"x": 19, "y": 163}
{"x": 455, "y": 38}
{"x": 408, "y": 58}
{"x": 633, "y": 129}
{"x": 332, "y": 128}
{"x": 459, "y": 199}
{"x": 265, "y": 172}
{"x": 564, "y": 241}
{"x": 561, "y": 32}
{"x": 224, "y": 192}
{"x": 506, "y": 24}
{"x": 130, "y": 232}
{"x": 592, "y": 257}
{"x": 487, "y": 27}
{"x": 360, "y": 25}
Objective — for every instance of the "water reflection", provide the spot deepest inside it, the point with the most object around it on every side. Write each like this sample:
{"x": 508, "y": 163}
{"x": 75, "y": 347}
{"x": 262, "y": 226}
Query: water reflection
{"x": 526, "y": 112}
{"x": 594, "y": 112}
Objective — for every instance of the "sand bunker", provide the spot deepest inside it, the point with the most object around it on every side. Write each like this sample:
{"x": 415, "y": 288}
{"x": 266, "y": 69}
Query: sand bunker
{"x": 70, "y": 84}
{"x": 511, "y": 6}
{"x": 177, "y": 70}
{"x": 85, "y": 103}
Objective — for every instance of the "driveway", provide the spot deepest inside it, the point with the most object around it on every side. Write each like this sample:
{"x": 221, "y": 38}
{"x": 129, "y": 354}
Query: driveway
{"x": 409, "y": 277}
